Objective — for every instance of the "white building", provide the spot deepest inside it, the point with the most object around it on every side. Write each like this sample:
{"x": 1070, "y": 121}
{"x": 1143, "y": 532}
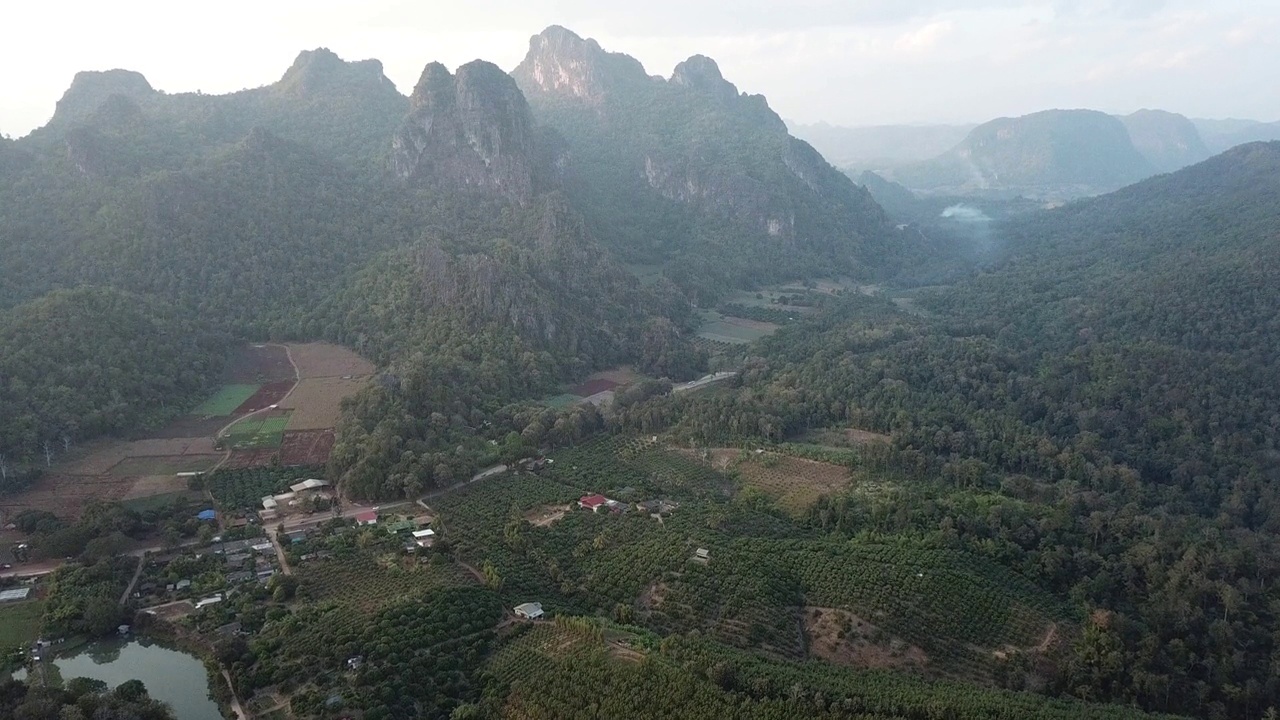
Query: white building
{"x": 529, "y": 610}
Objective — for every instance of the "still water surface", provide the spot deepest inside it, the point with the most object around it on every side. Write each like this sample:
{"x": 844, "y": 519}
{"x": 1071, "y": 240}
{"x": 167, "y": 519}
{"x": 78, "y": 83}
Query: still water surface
{"x": 170, "y": 675}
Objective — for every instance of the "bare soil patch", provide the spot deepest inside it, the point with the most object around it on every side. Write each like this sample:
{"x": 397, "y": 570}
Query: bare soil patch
{"x": 795, "y": 483}
{"x": 322, "y": 360}
{"x": 624, "y": 375}
{"x": 653, "y": 596}
{"x": 266, "y": 396}
{"x": 260, "y": 364}
{"x": 65, "y": 495}
{"x": 241, "y": 459}
{"x": 317, "y": 402}
{"x": 150, "y": 485}
{"x": 167, "y": 465}
{"x": 547, "y": 514}
{"x": 866, "y": 437}
{"x": 107, "y": 454}
{"x": 306, "y": 447}
{"x": 840, "y": 637}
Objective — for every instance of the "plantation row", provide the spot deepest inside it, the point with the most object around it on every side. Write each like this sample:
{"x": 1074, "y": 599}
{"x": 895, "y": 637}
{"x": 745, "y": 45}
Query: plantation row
{"x": 244, "y": 489}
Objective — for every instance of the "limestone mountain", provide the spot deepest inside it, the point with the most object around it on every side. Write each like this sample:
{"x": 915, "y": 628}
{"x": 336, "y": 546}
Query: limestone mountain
{"x": 471, "y": 130}
{"x": 1168, "y": 141}
{"x": 345, "y": 110}
{"x": 1053, "y": 154}
{"x": 689, "y": 173}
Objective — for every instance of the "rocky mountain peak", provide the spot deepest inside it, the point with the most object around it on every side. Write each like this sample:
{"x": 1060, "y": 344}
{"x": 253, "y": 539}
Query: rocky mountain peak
{"x": 470, "y": 129}
{"x": 90, "y": 89}
{"x": 560, "y": 62}
{"x": 319, "y": 70}
{"x": 702, "y": 74}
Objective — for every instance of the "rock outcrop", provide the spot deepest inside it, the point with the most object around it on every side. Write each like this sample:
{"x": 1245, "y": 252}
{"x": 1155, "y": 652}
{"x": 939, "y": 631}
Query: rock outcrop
{"x": 471, "y": 130}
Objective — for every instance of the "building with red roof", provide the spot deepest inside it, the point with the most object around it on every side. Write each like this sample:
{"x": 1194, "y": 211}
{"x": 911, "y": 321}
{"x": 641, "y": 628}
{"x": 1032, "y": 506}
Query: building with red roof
{"x": 593, "y": 502}
{"x": 368, "y": 518}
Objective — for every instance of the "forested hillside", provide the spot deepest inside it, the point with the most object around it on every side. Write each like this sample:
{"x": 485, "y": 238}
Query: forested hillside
{"x": 1095, "y": 411}
{"x": 80, "y": 363}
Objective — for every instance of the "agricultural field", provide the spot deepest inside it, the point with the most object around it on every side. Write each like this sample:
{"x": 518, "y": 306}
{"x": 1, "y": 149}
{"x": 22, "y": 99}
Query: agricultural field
{"x": 306, "y": 447}
{"x": 225, "y": 400}
{"x": 794, "y": 483}
{"x": 597, "y": 388}
{"x": 369, "y": 582}
{"x": 260, "y": 364}
{"x": 19, "y": 623}
{"x": 142, "y": 465}
{"x": 264, "y": 430}
{"x": 316, "y": 403}
{"x": 733, "y": 330}
{"x": 322, "y": 360}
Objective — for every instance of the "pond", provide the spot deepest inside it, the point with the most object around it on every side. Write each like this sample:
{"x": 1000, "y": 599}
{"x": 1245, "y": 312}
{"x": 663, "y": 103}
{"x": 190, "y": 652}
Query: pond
{"x": 170, "y": 675}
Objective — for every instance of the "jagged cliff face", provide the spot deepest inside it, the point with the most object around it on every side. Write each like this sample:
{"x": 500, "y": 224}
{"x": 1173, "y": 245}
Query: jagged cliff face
{"x": 563, "y": 64}
{"x": 473, "y": 130}
{"x": 697, "y": 143}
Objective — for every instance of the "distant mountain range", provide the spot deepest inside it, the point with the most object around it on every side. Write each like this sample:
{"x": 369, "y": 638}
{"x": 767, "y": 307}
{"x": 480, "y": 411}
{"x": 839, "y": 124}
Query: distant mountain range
{"x": 1050, "y": 155}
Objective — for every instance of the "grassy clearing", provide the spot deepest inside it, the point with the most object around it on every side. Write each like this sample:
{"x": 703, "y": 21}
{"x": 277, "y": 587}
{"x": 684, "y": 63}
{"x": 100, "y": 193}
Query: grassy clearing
{"x": 368, "y": 582}
{"x": 226, "y": 400}
{"x": 737, "y": 331}
{"x": 20, "y": 622}
{"x": 257, "y": 432}
{"x": 562, "y": 400}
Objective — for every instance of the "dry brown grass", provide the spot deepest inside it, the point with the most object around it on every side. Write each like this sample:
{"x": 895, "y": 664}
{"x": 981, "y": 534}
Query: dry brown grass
{"x": 317, "y": 402}
{"x": 840, "y": 637}
{"x": 322, "y": 360}
{"x": 150, "y": 485}
{"x": 794, "y": 483}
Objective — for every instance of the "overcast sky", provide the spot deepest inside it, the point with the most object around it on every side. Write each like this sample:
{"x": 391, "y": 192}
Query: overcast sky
{"x": 849, "y": 62}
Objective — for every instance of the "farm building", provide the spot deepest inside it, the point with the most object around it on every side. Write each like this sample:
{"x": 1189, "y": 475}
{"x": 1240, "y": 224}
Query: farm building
{"x": 14, "y": 595}
{"x": 702, "y": 554}
{"x": 616, "y": 507}
{"x": 296, "y": 536}
{"x": 206, "y": 602}
{"x": 367, "y": 518}
{"x": 593, "y": 502}
{"x": 529, "y": 610}
{"x": 308, "y": 485}
{"x": 206, "y": 515}
{"x": 424, "y": 538}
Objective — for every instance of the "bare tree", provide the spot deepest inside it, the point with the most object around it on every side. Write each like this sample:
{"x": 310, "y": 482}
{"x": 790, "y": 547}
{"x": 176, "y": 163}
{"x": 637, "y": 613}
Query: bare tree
{"x": 4, "y": 468}
{"x": 66, "y": 442}
{"x": 48, "y": 454}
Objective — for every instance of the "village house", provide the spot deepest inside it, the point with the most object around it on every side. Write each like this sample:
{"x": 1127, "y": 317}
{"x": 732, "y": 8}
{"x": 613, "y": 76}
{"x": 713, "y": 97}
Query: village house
{"x": 593, "y": 502}
{"x": 367, "y": 518}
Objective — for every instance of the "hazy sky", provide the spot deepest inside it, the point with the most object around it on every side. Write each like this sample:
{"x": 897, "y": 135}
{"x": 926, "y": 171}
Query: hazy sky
{"x": 852, "y": 62}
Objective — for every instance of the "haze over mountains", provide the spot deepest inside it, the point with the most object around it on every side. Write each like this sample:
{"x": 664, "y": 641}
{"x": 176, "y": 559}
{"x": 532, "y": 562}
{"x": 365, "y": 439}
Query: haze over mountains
{"x": 1052, "y": 155}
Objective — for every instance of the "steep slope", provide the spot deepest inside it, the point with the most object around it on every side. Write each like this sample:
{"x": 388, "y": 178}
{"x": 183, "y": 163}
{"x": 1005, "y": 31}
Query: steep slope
{"x": 1167, "y": 140}
{"x": 1054, "y": 154}
{"x": 473, "y": 130}
{"x": 690, "y": 173}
